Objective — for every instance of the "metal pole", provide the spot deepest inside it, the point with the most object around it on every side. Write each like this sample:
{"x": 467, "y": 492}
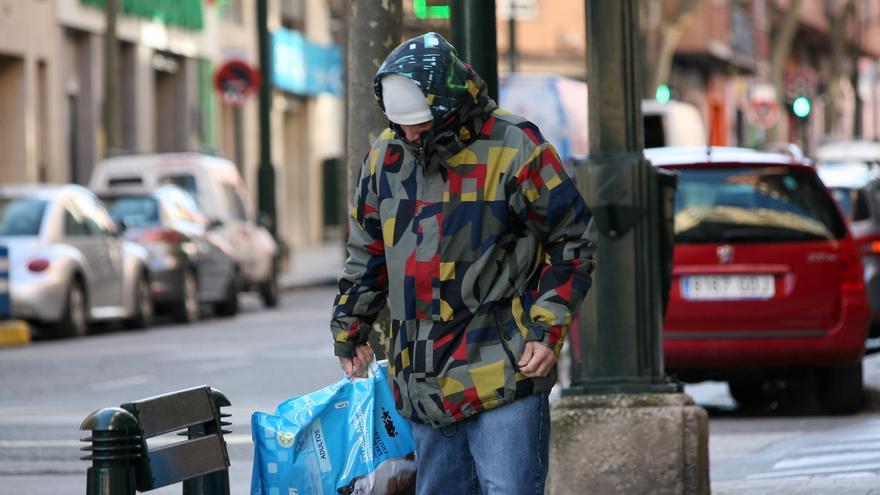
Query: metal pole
{"x": 473, "y": 34}
{"x": 511, "y": 40}
{"x": 621, "y": 319}
{"x": 266, "y": 171}
{"x": 238, "y": 138}
{"x": 111, "y": 78}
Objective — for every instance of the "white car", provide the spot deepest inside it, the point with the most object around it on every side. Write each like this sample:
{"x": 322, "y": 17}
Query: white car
{"x": 220, "y": 192}
{"x": 68, "y": 266}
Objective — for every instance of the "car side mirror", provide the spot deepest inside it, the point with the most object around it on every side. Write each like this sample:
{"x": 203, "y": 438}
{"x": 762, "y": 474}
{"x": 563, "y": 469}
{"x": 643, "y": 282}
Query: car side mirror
{"x": 265, "y": 221}
{"x": 121, "y": 227}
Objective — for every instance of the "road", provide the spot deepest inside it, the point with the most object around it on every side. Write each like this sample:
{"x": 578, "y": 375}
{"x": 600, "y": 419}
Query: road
{"x": 263, "y": 356}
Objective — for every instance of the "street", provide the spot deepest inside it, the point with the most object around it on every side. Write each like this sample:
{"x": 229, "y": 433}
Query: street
{"x": 262, "y": 357}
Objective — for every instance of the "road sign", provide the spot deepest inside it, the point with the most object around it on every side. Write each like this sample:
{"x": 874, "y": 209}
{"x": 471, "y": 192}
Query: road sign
{"x": 235, "y": 81}
{"x": 763, "y": 110}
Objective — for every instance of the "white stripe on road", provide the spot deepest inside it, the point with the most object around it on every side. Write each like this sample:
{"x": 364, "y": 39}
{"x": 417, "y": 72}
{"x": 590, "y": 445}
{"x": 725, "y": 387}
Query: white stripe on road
{"x": 826, "y": 470}
{"x": 153, "y": 442}
{"x": 838, "y": 446}
{"x": 815, "y": 460}
{"x": 123, "y": 382}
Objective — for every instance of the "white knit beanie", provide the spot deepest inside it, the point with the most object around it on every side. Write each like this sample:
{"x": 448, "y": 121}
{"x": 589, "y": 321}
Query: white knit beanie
{"x": 404, "y": 102}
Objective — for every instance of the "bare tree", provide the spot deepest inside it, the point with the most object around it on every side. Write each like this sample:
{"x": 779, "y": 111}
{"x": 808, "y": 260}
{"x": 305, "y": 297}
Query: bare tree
{"x": 838, "y": 14}
{"x": 783, "y": 35}
{"x": 669, "y": 30}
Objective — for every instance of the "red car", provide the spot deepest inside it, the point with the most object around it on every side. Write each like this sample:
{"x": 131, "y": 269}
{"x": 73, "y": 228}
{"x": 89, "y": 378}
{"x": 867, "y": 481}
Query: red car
{"x": 767, "y": 282}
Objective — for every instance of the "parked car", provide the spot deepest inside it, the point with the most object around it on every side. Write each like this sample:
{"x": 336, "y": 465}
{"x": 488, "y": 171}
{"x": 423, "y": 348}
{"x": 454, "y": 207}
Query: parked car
{"x": 219, "y": 191}
{"x": 856, "y": 189}
{"x": 189, "y": 264}
{"x": 68, "y": 265}
{"x": 767, "y": 281}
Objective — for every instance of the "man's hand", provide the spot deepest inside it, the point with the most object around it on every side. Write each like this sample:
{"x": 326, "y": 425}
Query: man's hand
{"x": 357, "y": 366}
{"x": 537, "y": 360}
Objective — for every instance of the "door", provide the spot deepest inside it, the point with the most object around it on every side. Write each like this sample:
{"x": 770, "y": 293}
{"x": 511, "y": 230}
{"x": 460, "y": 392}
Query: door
{"x": 78, "y": 234}
{"x": 242, "y": 230}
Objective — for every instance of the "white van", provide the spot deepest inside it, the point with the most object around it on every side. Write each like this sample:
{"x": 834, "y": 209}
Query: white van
{"x": 558, "y": 106}
{"x": 674, "y": 123}
{"x": 221, "y": 194}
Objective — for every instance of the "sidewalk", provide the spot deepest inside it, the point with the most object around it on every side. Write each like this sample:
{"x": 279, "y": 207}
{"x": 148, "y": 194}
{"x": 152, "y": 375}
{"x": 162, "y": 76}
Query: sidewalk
{"x": 313, "y": 266}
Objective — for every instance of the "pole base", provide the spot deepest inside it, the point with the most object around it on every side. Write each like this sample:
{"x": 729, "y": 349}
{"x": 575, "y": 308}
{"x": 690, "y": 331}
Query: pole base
{"x": 629, "y": 443}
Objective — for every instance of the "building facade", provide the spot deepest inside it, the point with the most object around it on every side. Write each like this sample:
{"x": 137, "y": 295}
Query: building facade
{"x": 52, "y": 94}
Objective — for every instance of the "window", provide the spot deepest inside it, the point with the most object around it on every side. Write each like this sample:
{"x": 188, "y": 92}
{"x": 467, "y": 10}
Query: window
{"x": 186, "y": 182}
{"x": 234, "y": 203}
{"x": 852, "y": 203}
{"x": 133, "y": 210}
{"x": 21, "y": 216}
{"x": 86, "y": 211}
{"x": 74, "y": 222}
{"x": 753, "y": 204}
{"x": 125, "y": 181}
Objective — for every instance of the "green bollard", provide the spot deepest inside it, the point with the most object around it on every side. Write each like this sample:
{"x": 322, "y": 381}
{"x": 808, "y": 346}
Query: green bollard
{"x": 115, "y": 445}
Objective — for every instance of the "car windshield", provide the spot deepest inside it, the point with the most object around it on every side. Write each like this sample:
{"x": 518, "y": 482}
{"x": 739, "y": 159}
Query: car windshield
{"x": 21, "y": 216}
{"x": 133, "y": 210}
{"x": 753, "y": 204}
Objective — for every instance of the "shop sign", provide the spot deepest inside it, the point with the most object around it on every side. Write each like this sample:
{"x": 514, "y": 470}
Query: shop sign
{"x": 303, "y": 67}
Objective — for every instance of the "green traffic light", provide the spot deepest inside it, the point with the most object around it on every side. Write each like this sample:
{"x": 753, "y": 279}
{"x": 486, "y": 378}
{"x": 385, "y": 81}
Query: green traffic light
{"x": 801, "y": 107}
{"x": 423, "y": 11}
{"x": 663, "y": 94}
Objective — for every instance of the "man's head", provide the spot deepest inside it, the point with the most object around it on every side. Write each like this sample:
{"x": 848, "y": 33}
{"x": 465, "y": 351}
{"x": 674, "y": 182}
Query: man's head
{"x": 406, "y": 106}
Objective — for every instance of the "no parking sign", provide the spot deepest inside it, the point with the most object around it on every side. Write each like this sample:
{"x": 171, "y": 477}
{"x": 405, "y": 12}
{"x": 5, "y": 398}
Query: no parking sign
{"x": 235, "y": 81}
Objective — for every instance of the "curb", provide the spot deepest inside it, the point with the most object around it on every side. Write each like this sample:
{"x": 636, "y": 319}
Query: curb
{"x": 14, "y": 332}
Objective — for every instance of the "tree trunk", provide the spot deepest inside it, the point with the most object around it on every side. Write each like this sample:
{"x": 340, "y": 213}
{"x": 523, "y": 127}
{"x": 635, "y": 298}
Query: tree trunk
{"x": 781, "y": 47}
{"x": 838, "y": 20}
{"x": 670, "y": 32}
{"x": 374, "y": 29}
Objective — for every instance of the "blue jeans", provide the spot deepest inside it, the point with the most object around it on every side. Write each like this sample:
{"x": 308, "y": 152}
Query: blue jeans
{"x": 502, "y": 451}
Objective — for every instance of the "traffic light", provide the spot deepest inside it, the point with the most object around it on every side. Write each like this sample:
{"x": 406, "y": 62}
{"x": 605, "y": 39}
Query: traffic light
{"x": 423, "y": 11}
{"x": 801, "y": 107}
{"x": 663, "y": 94}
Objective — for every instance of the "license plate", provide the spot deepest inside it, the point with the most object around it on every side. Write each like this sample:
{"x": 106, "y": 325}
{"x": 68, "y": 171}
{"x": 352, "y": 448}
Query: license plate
{"x": 727, "y": 287}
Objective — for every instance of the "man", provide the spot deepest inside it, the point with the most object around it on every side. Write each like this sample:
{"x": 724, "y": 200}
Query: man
{"x": 466, "y": 224}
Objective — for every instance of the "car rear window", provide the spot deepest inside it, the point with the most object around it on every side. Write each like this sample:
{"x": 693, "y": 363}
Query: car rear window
{"x": 21, "y": 216}
{"x": 134, "y": 210}
{"x": 753, "y": 204}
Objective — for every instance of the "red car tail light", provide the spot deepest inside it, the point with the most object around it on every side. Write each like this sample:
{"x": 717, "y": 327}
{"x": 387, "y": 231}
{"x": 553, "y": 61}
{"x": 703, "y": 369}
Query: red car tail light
{"x": 162, "y": 235}
{"x": 869, "y": 245}
{"x": 852, "y": 272}
{"x": 38, "y": 264}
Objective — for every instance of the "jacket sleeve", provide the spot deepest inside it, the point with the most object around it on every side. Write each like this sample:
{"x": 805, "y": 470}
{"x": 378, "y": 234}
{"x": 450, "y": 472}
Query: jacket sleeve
{"x": 363, "y": 283}
{"x": 550, "y": 206}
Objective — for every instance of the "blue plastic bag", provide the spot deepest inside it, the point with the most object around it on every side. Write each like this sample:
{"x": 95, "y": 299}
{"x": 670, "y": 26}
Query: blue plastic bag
{"x": 344, "y": 439}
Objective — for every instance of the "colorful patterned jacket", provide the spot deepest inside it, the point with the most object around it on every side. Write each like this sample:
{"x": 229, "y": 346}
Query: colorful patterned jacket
{"x": 475, "y": 237}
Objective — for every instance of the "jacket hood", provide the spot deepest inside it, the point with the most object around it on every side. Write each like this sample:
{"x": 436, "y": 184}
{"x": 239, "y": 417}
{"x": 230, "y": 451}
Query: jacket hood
{"x": 456, "y": 95}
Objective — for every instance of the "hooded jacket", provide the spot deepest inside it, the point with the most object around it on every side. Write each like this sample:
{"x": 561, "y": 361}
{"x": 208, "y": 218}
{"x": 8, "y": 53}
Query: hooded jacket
{"x": 475, "y": 237}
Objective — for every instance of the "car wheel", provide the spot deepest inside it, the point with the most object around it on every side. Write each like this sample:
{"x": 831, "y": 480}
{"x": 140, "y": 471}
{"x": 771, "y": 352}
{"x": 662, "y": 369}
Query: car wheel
{"x": 841, "y": 390}
{"x": 187, "y": 310}
{"x": 750, "y": 392}
{"x": 143, "y": 301}
{"x": 75, "y": 320}
{"x": 269, "y": 290}
{"x": 229, "y": 305}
